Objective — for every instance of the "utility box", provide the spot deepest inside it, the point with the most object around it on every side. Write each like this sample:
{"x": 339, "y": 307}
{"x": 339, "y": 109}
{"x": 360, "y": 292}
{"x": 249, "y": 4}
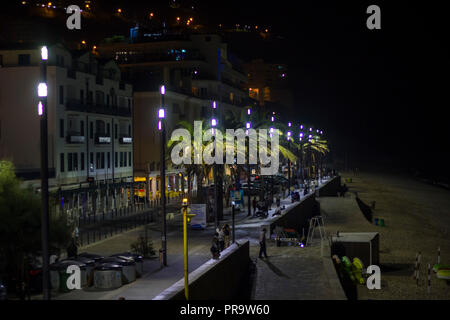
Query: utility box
{"x": 362, "y": 245}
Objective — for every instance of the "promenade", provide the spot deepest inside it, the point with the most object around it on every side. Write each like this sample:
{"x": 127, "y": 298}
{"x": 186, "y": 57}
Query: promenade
{"x": 300, "y": 271}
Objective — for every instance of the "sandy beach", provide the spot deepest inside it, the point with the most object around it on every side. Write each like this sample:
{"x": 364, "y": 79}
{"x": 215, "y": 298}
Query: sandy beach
{"x": 417, "y": 218}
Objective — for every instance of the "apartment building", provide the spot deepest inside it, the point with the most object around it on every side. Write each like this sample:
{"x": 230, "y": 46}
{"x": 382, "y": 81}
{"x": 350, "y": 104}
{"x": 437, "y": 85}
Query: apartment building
{"x": 90, "y": 127}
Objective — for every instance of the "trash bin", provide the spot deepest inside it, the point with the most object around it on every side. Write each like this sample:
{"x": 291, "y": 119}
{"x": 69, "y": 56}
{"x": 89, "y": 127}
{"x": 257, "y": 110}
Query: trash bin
{"x": 90, "y": 266}
{"x": 128, "y": 267}
{"x": 61, "y": 268}
{"x": 138, "y": 259}
{"x": 54, "y": 276}
{"x": 108, "y": 276}
{"x": 375, "y": 221}
{"x": 92, "y": 256}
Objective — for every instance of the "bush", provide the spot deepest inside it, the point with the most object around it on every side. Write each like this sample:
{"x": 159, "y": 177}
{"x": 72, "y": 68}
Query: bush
{"x": 143, "y": 246}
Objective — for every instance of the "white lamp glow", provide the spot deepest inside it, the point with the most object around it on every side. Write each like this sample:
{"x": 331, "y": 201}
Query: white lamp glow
{"x": 42, "y": 89}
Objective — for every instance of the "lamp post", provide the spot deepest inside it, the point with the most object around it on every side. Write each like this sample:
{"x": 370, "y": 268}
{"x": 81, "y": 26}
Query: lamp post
{"x": 289, "y": 133}
{"x": 248, "y": 125}
{"x": 216, "y": 193}
{"x": 186, "y": 218}
{"x": 162, "y": 128}
{"x": 42, "y": 111}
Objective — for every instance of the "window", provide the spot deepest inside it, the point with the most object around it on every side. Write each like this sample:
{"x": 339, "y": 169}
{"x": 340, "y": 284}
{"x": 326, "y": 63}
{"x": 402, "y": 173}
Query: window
{"x": 129, "y": 158}
{"x": 75, "y": 161}
{"x": 61, "y": 94}
{"x": 61, "y": 162}
{"x": 91, "y": 162}
{"x": 82, "y": 129}
{"x": 82, "y": 161}
{"x": 91, "y": 130}
{"x": 129, "y": 130}
{"x": 102, "y": 160}
{"x": 124, "y": 159}
{"x": 108, "y": 130}
{"x": 82, "y": 96}
{"x": 69, "y": 162}
{"x": 115, "y": 160}
{"x": 121, "y": 159}
{"x": 24, "y": 59}
{"x": 115, "y": 131}
{"x": 107, "y": 100}
{"x": 61, "y": 128}
{"x": 109, "y": 160}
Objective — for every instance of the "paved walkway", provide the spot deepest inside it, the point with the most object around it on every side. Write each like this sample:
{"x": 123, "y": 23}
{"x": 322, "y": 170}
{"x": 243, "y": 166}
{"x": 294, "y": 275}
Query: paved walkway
{"x": 300, "y": 271}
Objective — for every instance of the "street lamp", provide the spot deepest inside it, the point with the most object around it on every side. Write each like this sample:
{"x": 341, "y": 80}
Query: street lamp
{"x": 248, "y": 125}
{"x": 186, "y": 218}
{"x": 162, "y": 128}
{"x": 43, "y": 113}
{"x": 289, "y": 133}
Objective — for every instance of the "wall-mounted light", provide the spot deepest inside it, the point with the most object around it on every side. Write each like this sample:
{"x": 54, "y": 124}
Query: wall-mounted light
{"x": 44, "y": 53}
{"x": 42, "y": 89}
{"x": 40, "y": 108}
{"x": 163, "y": 90}
{"x": 161, "y": 113}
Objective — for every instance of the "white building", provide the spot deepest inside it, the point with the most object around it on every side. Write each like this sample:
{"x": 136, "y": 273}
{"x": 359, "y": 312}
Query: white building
{"x": 89, "y": 117}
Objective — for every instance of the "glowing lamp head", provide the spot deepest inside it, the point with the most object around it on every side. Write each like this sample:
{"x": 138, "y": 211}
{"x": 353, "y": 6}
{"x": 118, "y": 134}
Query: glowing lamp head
{"x": 40, "y": 108}
{"x": 310, "y": 129}
{"x": 272, "y": 118}
{"x": 271, "y": 130}
{"x": 213, "y": 122}
{"x": 161, "y": 113}
{"x": 185, "y": 202}
{"x": 247, "y": 125}
{"x": 302, "y": 245}
{"x": 310, "y": 136}
{"x": 163, "y": 90}
{"x": 248, "y": 111}
{"x": 289, "y": 124}
{"x": 301, "y": 127}
{"x": 214, "y": 105}
{"x": 321, "y": 132}
{"x": 159, "y": 125}
{"x": 42, "y": 89}
{"x": 301, "y": 134}
{"x": 44, "y": 53}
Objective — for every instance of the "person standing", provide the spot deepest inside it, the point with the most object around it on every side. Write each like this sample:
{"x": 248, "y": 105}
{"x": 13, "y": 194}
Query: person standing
{"x": 215, "y": 246}
{"x": 226, "y": 231}
{"x": 262, "y": 243}
{"x": 221, "y": 240}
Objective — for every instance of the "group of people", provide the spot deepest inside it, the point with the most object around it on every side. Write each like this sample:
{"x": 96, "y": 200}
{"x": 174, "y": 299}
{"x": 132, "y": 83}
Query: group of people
{"x": 221, "y": 241}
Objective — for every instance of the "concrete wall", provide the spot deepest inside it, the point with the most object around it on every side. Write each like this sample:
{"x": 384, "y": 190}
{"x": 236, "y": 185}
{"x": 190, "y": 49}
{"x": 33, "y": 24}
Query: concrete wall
{"x": 330, "y": 189}
{"x": 297, "y": 217}
{"x": 221, "y": 279}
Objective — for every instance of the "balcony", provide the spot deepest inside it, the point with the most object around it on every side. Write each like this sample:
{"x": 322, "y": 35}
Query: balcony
{"x": 74, "y": 138}
{"x": 79, "y": 106}
{"x": 71, "y": 73}
{"x": 125, "y": 140}
{"x": 102, "y": 138}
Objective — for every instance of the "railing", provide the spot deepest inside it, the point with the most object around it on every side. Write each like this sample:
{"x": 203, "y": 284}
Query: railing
{"x": 77, "y": 105}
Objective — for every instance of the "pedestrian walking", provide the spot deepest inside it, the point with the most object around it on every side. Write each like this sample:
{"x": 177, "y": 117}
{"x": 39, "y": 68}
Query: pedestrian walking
{"x": 215, "y": 246}
{"x": 227, "y": 231}
{"x": 262, "y": 243}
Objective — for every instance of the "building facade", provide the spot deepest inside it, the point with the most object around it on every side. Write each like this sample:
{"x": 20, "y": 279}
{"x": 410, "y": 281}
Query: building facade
{"x": 196, "y": 71}
{"x": 90, "y": 127}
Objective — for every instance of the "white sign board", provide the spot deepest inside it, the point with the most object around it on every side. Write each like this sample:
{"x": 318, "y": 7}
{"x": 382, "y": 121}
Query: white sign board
{"x": 199, "y": 220}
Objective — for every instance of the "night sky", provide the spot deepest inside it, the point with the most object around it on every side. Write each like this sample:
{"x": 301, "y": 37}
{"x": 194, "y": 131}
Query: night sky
{"x": 380, "y": 95}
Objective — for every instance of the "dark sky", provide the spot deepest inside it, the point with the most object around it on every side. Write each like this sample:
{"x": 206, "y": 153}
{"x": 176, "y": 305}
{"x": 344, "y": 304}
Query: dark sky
{"x": 380, "y": 94}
